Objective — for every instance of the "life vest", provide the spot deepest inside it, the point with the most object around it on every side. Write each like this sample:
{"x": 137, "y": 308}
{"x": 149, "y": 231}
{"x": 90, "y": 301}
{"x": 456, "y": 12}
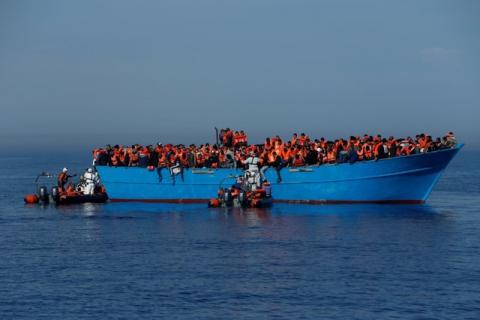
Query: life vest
{"x": 285, "y": 154}
{"x": 294, "y": 140}
{"x": 222, "y": 157}
{"x": 115, "y": 158}
{"x": 302, "y": 140}
{"x": 95, "y": 153}
{"x": 62, "y": 178}
{"x": 144, "y": 153}
{"x": 407, "y": 149}
{"x": 271, "y": 157}
{"x": 298, "y": 162}
{"x": 367, "y": 151}
{"x": 240, "y": 139}
{"x": 236, "y": 139}
{"x": 331, "y": 156}
{"x": 184, "y": 160}
{"x": 162, "y": 160}
{"x": 71, "y": 191}
{"x": 134, "y": 159}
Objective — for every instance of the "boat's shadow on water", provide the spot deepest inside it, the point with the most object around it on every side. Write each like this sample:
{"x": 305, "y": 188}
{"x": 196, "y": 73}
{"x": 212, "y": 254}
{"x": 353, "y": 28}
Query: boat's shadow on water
{"x": 278, "y": 210}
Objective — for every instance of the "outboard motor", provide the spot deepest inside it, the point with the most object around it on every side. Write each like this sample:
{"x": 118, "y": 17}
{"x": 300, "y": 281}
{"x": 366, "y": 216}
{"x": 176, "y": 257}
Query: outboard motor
{"x": 43, "y": 194}
{"x": 55, "y": 194}
{"x": 242, "y": 199}
{"x": 227, "y": 197}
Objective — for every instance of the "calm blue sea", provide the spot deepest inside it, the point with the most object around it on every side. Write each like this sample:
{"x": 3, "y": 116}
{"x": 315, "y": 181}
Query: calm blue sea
{"x": 143, "y": 261}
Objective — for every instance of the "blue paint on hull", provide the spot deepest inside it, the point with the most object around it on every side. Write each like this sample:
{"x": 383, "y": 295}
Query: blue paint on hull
{"x": 399, "y": 179}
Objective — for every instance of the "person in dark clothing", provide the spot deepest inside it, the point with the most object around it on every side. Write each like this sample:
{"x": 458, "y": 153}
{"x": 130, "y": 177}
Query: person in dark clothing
{"x": 352, "y": 154}
{"x": 311, "y": 157}
{"x": 277, "y": 164}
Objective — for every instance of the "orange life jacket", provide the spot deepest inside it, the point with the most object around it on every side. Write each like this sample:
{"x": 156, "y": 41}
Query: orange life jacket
{"x": 298, "y": 162}
{"x": 134, "y": 159}
{"x": 331, "y": 156}
{"x": 162, "y": 160}
{"x": 271, "y": 158}
{"x": 367, "y": 151}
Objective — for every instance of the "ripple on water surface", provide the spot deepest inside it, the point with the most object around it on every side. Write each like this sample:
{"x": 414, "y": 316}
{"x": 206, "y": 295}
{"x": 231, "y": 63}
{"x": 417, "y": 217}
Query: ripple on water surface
{"x": 186, "y": 261}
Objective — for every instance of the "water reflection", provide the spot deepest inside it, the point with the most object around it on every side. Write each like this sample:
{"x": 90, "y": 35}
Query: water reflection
{"x": 251, "y": 217}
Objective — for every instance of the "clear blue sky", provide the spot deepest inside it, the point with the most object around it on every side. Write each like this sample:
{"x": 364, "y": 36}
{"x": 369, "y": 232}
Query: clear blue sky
{"x": 88, "y": 72}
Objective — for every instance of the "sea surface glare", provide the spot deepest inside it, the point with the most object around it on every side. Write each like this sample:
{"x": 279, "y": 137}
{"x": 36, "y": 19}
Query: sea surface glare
{"x": 144, "y": 261}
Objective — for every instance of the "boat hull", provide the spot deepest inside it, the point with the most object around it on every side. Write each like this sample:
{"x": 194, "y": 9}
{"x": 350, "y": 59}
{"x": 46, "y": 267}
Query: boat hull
{"x": 408, "y": 179}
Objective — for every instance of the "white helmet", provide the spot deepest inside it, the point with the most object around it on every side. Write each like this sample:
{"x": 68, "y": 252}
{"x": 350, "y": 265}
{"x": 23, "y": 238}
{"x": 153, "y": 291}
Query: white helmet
{"x": 64, "y": 170}
{"x": 90, "y": 170}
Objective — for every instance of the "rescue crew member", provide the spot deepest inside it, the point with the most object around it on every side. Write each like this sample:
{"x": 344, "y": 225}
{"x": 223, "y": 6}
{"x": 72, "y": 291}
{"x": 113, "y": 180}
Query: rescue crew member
{"x": 63, "y": 179}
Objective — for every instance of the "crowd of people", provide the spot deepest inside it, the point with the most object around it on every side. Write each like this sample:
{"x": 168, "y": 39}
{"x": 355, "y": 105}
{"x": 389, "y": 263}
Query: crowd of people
{"x": 233, "y": 150}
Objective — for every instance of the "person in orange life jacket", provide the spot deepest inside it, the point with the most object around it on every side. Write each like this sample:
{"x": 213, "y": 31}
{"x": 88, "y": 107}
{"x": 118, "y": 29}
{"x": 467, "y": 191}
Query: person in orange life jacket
{"x": 298, "y": 161}
{"x": 115, "y": 156}
{"x": 243, "y": 138}
{"x": 162, "y": 161}
{"x": 70, "y": 191}
{"x": 429, "y": 144}
{"x": 331, "y": 156}
{"x": 236, "y": 139}
{"x": 303, "y": 139}
{"x": 63, "y": 179}
{"x": 133, "y": 161}
{"x": 392, "y": 146}
{"x": 294, "y": 139}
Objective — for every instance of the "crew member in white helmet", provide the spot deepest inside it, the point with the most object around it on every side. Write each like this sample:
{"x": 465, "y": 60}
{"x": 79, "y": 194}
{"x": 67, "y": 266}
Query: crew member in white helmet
{"x": 90, "y": 180}
{"x": 63, "y": 178}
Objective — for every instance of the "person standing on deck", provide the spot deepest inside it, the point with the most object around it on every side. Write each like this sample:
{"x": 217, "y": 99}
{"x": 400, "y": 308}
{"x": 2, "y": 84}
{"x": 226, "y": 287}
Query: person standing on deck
{"x": 63, "y": 179}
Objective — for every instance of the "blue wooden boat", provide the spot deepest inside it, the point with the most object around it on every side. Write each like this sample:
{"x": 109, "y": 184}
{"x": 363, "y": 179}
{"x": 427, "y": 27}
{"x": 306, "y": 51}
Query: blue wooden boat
{"x": 403, "y": 179}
